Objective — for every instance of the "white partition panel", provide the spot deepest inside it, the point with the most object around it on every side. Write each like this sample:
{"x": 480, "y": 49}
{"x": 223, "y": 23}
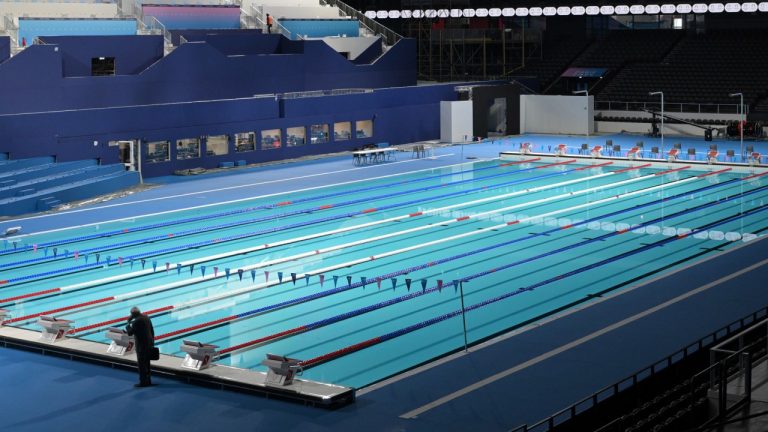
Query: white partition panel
{"x": 455, "y": 121}
{"x": 557, "y": 114}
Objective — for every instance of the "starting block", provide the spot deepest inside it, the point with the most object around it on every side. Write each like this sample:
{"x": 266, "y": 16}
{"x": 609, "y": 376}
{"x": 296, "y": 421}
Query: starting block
{"x": 53, "y": 329}
{"x": 282, "y": 369}
{"x": 122, "y": 344}
{"x": 754, "y": 159}
{"x": 597, "y": 151}
{"x": 199, "y": 355}
{"x": 561, "y": 150}
{"x": 525, "y": 148}
{"x": 4, "y": 315}
{"x": 633, "y": 153}
{"x": 673, "y": 154}
{"x": 712, "y": 156}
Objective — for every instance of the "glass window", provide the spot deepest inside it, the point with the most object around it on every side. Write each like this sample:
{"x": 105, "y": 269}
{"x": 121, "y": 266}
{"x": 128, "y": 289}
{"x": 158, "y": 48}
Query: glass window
{"x": 187, "y": 148}
{"x": 217, "y": 145}
{"x": 158, "y": 151}
{"x": 296, "y": 136}
{"x": 342, "y": 131}
{"x": 270, "y": 139}
{"x": 364, "y": 128}
{"x": 245, "y": 141}
{"x": 318, "y": 134}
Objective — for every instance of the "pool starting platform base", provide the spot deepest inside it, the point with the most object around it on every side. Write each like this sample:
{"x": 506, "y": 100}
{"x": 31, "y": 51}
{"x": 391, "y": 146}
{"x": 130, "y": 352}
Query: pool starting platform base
{"x": 286, "y": 387}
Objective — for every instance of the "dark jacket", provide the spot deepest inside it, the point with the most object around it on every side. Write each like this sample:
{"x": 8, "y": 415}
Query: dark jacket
{"x": 141, "y": 329}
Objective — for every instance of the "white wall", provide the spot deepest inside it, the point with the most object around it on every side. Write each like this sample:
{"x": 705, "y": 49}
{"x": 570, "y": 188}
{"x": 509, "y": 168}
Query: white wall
{"x": 556, "y": 114}
{"x": 56, "y": 10}
{"x": 455, "y": 121}
{"x": 301, "y": 12}
{"x": 353, "y": 45}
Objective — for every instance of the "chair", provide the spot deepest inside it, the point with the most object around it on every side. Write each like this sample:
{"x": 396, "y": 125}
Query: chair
{"x": 584, "y": 148}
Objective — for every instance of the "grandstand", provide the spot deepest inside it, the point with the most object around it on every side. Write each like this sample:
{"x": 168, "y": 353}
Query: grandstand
{"x": 384, "y": 215}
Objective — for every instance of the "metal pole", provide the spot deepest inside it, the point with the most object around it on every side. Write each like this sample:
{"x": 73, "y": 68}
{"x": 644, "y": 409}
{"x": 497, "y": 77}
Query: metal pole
{"x": 743, "y": 123}
{"x": 463, "y": 316}
{"x": 662, "y": 122}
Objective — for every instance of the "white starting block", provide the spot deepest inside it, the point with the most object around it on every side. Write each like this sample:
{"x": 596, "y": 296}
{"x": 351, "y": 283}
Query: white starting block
{"x": 4, "y": 315}
{"x": 282, "y": 369}
{"x": 712, "y": 156}
{"x": 122, "y": 344}
{"x": 673, "y": 155}
{"x": 199, "y": 355}
{"x": 597, "y": 151}
{"x": 633, "y": 153}
{"x": 561, "y": 150}
{"x": 53, "y": 329}
{"x": 525, "y": 148}
{"x": 754, "y": 159}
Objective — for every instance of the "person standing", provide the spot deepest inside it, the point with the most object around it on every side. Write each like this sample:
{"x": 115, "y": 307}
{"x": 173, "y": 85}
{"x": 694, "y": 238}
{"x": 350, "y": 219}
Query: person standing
{"x": 269, "y": 23}
{"x": 140, "y": 327}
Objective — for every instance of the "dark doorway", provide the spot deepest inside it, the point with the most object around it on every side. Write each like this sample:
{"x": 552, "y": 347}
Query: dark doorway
{"x": 102, "y": 66}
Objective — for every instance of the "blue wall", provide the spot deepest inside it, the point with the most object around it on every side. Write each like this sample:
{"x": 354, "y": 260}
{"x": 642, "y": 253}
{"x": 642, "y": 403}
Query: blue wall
{"x": 316, "y": 28}
{"x": 399, "y": 115}
{"x": 132, "y": 54}
{"x": 202, "y": 34}
{"x": 5, "y": 48}
{"x": 30, "y": 28}
{"x": 35, "y": 79}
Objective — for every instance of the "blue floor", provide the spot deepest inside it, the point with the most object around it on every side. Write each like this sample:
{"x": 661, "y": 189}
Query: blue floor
{"x": 79, "y": 391}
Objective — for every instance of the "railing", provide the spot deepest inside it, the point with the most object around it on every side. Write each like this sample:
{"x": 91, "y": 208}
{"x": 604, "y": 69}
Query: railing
{"x": 595, "y": 398}
{"x": 681, "y": 107}
{"x": 319, "y": 93}
{"x": 388, "y": 36}
{"x": 490, "y": 35}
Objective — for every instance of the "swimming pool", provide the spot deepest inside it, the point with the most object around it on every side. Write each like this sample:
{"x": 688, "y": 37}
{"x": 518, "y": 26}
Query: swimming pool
{"x": 521, "y": 238}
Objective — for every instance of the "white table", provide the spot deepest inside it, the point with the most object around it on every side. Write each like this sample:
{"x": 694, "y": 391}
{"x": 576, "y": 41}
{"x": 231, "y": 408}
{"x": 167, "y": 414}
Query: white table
{"x": 362, "y": 157}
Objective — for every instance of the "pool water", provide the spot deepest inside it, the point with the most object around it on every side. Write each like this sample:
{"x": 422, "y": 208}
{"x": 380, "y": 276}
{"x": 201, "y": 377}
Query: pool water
{"x": 519, "y": 239}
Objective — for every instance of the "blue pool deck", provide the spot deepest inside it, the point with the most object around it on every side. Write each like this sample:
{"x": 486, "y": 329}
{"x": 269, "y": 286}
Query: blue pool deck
{"x": 515, "y": 379}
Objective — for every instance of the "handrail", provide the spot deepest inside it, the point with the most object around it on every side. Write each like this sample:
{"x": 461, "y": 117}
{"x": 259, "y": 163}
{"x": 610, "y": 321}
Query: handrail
{"x": 387, "y": 35}
{"x": 319, "y": 93}
{"x": 592, "y": 400}
{"x": 683, "y": 107}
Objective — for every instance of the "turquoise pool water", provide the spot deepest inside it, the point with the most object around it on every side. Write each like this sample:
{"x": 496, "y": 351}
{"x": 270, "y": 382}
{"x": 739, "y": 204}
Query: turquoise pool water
{"x": 526, "y": 238}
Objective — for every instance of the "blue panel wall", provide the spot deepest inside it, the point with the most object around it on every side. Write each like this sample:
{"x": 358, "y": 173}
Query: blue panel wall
{"x": 30, "y": 28}
{"x": 316, "y": 28}
{"x": 34, "y": 80}
{"x": 399, "y": 115}
{"x": 201, "y": 34}
{"x": 5, "y": 48}
{"x": 132, "y": 54}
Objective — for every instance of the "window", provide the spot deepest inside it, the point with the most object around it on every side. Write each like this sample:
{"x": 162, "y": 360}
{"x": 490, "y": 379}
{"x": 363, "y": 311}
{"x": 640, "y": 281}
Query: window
{"x": 187, "y": 148}
{"x": 677, "y": 23}
{"x": 364, "y": 128}
{"x": 245, "y": 142}
{"x": 158, "y": 151}
{"x": 296, "y": 136}
{"x": 217, "y": 145}
{"x": 102, "y": 66}
{"x": 270, "y": 139}
{"x": 318, "y": 134}
{"x": 342, "y": 131}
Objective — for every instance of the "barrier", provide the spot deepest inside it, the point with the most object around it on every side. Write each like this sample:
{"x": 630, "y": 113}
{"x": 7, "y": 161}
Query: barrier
{"x": 282, "y": 370}
{"x": 53, "y": 329}
{"x": 121, "y": 344}
{"x": 199, "y": 355}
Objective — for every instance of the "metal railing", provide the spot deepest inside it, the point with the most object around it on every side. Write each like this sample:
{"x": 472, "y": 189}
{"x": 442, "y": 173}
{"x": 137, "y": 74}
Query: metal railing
{"x": 320, "y": 93}
{"x": 681, "y": 107}
{"x": 595, "y": 398}
{"x": 388, "y": 36}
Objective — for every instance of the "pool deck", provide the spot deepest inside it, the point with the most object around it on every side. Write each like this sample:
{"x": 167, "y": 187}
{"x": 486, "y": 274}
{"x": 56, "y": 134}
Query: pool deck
{"x": 520, "y": 377}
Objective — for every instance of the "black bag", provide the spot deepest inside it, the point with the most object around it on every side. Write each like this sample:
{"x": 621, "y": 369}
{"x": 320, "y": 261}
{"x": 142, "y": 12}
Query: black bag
{"x": 155, "y": 354}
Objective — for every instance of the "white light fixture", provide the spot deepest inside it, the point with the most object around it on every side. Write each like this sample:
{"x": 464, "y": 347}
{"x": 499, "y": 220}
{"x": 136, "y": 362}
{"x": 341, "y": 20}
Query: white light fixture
{"x": 607, "y": 10}
{"x": 494, "y": 12}
{"x": 482, "y": 12}
{"x": 382, "y": 14}
{"x": 577, "y": 10}
{"x": 749, "y": 7}
{"x": 443, "y": 13}
{"x": 700, "y": 8}
{"x": 521, "y": 12}
{"x": 621, "y": 9}
{"x": 508, "y": 12}
{"x": 762, "y": 7}
{"x": 716, "y": 7}
{"x": 668, "y": 9}
{"x": 370, "y": 14}
{"x": 535, "y": 11}
{"x": 418, "y": 13}
{"x": 733, "y": 7}
{"x": 563, "y": 10}
{"x": 549, "y": 11}
{"x": 394, "y": 14}
{"x": 683, "y": 8}
{"x": 637, "y": 9}
{"x": 407, "y": 13}
{"x": 652, "y": 9}
{"x": 592, "y": 10}
{"x": 430, "y": 13}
